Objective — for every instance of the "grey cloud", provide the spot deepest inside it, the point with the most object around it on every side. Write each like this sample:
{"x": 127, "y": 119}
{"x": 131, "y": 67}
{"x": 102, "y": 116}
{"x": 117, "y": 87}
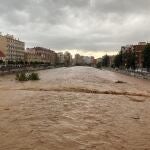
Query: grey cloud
{"x": 77, "y": 24}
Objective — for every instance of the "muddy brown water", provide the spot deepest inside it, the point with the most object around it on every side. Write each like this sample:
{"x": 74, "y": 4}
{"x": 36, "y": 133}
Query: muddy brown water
{"x": 76, "y": 108}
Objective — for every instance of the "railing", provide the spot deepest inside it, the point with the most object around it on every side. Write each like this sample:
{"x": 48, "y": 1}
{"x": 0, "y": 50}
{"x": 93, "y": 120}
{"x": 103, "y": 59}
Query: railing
{"x": 135, "y": 73}
{"x": 15, "y": 69}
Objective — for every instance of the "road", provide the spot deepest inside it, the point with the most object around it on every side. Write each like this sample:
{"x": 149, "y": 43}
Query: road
{"x": 76, "y": 108}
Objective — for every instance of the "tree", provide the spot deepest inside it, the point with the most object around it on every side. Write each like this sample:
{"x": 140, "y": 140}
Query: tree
{"x": 106, "y": 61}
{"x": 146, "y": 56}
{"x": 99, "y": 65}
{"x": 130, "y": 57}
{"x": 118, "y": 60}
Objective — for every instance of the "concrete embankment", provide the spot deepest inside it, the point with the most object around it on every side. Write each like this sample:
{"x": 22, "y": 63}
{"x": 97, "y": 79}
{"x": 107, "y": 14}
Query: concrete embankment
{"x": 12, "y": 71}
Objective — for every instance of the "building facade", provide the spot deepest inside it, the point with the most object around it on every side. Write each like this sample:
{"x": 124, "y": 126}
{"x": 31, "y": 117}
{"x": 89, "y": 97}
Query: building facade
{"x": 84, "y": 60}
{"x": 67, "y": 59}
{"x": 60, "y": 58}
{"x": 87, "y": 60}
{"x": 78, "y": 60}
{"x": 137, "y": 50}
{"x": 40, "y": 55}
{"x": 12, "y": 48}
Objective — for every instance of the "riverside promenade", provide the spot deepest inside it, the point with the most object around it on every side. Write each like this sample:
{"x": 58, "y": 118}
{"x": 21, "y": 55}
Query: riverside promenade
{"x": 133, "y": 73}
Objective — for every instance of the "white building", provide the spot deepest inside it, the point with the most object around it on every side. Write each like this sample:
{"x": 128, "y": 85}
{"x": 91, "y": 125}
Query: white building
{"x": 87, "y": 60}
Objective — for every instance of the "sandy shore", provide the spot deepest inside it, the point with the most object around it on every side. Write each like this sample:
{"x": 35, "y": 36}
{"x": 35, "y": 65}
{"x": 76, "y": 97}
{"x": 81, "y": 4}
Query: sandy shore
{"x": 77, "y": 108}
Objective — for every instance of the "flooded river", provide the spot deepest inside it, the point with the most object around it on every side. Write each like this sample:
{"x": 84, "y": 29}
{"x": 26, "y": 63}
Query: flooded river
{"x": 76, "y": 108}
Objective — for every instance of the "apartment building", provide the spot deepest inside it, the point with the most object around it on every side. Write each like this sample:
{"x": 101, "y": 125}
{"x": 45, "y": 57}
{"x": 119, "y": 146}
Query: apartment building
{"x": 78, "y": 60}
{"x": 84, "y": 60}
{"x": 68, "y": 59}
{"x": 87, "y": 60}
{"x": 40, "y": 55}
{"x": 12, "y": 48}
{"x": 61, "y": 58}
{"x": 139, "y": 53}
{"x": 138, "y": 50}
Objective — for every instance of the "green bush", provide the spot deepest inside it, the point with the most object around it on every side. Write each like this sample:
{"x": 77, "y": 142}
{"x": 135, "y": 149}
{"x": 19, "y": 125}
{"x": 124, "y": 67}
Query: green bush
{"x": 21, "y": 76}
{"x": 26, "y": 76}
{"x": 33, "y": 76}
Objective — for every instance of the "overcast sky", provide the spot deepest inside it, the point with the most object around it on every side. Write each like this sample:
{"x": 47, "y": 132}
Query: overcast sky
{"x": 85, "y": 26}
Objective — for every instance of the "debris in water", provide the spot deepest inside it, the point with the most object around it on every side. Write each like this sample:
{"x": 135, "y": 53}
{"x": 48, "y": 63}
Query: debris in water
{"x": 120, "y": 81}
{"x": 136, "y": 117}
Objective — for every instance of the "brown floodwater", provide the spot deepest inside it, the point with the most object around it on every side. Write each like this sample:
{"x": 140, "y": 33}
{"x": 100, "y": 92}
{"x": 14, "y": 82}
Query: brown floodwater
{"x": 76, "y": 108}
